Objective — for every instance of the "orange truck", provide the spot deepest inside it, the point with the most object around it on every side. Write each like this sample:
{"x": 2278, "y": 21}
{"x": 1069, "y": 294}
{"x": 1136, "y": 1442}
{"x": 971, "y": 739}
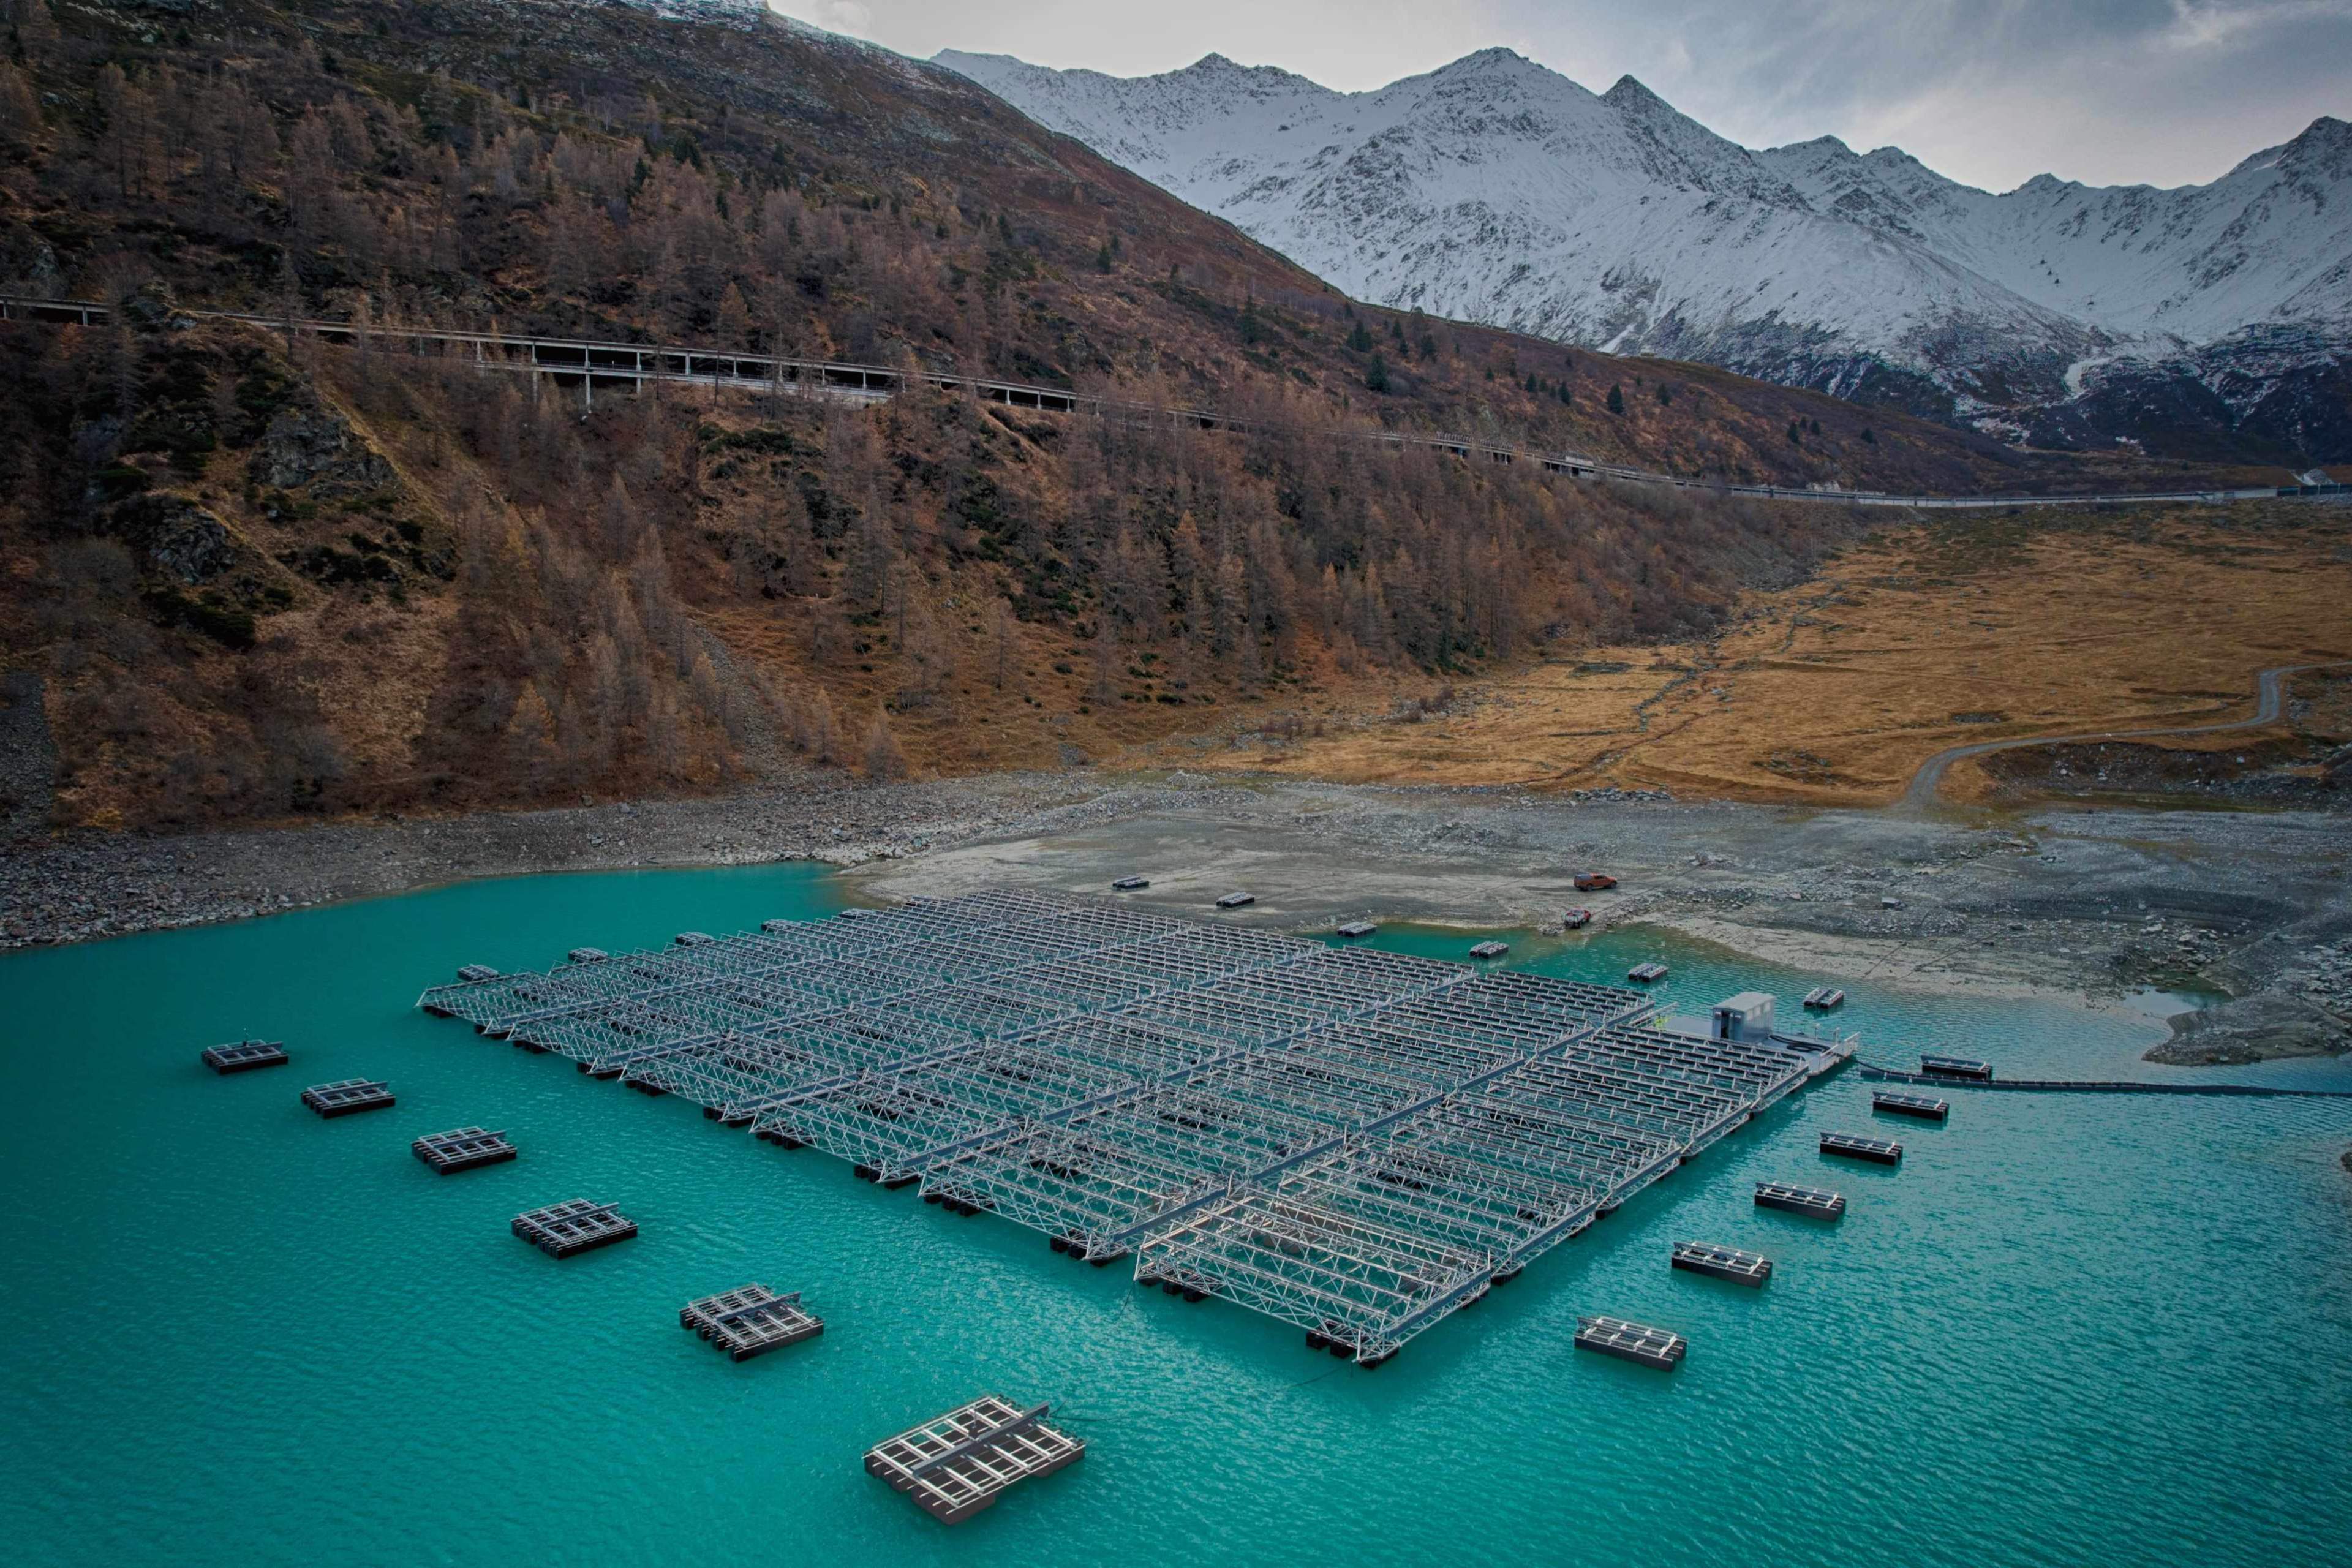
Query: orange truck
{"x": 1594, "y": 882}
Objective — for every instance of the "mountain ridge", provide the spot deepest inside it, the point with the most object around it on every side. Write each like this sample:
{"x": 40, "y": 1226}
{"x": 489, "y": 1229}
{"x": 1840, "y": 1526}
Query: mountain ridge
{"x": 2203, "y": 319}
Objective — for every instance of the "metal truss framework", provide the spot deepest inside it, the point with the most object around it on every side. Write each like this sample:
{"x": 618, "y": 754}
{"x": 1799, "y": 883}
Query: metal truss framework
{"x": 1350, "y": 1140}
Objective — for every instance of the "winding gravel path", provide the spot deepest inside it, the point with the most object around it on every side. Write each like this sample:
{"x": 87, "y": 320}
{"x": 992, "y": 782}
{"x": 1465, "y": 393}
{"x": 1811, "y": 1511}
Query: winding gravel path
{"x": 1930, "y": 779}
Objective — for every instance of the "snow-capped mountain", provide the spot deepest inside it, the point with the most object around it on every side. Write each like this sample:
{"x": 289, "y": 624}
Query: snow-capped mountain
{"x": 2209, "y": 318}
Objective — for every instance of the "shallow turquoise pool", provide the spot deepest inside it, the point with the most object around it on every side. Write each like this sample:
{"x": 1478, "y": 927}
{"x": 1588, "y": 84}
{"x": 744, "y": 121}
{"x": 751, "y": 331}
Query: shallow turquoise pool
{"x": 2066, "y": 1331}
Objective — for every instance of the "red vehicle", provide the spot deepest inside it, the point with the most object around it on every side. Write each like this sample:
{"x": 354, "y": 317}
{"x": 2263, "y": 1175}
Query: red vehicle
{"x": 1576, "y": 920}
{"x": 1594, "y": 882}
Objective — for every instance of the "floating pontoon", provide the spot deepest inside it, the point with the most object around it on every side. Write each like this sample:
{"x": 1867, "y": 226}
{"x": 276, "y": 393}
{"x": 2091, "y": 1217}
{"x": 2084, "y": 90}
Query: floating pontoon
{"x": 560, "y": 1230}
{"x": 462, "y": 1149}
{"x": 1721, "y": 1262}
{"x": 1880, "y": 1150}
{"x": 348, "y": 1097}
{"x": 957, "y": 1464}
{"x": 245, "y": 1056}
{"x": 1631, "y": 1341}
{"x": 1816, "y": 1201}
{"x": 750, "y": 1321}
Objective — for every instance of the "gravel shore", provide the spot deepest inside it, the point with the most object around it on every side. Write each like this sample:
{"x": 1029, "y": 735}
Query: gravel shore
{"x": 2067, "y": 901}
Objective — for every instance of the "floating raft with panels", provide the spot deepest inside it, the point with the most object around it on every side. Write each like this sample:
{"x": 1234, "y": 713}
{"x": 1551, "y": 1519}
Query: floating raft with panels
{"x": 1130, "y": 884}
{"x": 245, "y": 1055}
{"x": 957, "y": 1464}
{"x": 1631, "y": 1341}
{"x": 1956, "y": 1067}
{"x": 1358, "y": 928}
{"x": 1817, "y": 1201}
{"x": 1722, "y": 1262}
{"x": 1490, "y": 950}
{"x": 1645, "y": 973}
{"x": 750, "y": 1321}
{"x": 348, "y": 1097}
{"x": 462, "y": 1149}
{"x": 1825, "y": 998}
{"x": 563, "y": 1229}
{"x": 1325, "y": 1133}
{"x": 1879, "y": 1150}
{"x": 1926, "y": 1108}
{"x": 1236, "y": 900}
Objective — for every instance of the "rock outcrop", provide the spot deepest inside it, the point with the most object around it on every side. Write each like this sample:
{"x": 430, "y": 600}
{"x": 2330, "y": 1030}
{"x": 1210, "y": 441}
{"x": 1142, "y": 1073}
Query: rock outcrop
{"x": 309, "y": 447}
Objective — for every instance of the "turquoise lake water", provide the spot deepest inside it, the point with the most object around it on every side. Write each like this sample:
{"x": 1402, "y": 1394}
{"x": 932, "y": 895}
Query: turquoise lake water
{"x": 2068, "y": 1329}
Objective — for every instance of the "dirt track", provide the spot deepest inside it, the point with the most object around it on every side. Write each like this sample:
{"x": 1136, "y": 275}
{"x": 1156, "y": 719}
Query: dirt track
{"x": 2270, "y": 698}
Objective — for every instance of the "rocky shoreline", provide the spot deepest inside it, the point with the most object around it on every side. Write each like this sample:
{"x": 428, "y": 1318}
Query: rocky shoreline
{"x": 2072, "y": 902}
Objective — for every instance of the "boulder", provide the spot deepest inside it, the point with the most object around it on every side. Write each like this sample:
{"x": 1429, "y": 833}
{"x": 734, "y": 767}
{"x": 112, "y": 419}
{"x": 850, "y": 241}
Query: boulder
{"x": 178, "y": 538}
{"x": 308, "y": 446}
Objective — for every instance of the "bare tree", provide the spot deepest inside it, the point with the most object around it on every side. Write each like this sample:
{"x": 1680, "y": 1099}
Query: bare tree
{"x": 884, "y": 759}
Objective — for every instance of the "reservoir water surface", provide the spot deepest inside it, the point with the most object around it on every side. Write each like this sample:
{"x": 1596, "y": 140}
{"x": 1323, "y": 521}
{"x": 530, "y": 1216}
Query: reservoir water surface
{"x": 2068, "y": 1329}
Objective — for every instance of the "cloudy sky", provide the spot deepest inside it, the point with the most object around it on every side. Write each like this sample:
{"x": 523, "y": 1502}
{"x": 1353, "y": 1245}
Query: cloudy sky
{"x": 1991, "y": 91}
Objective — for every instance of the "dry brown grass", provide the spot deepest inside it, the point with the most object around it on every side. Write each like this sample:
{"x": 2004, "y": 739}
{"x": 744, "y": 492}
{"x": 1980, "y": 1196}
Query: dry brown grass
{"x": 1924, "y": 638}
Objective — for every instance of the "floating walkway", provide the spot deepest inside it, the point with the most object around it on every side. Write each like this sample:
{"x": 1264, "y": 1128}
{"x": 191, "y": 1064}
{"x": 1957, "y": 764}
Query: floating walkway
{"x": 750, "y": 1321}
{"x": 560, "y": 1230}
{"x": 957, "y": 1464}
{"x": 1721, "y": 1262}
{"x": 1816, "y": 1201}
{"x": 1636, "y": 1343}
{"x": 245, "y": 1056}
{"x": 1355, "y": 1143}
{"x": 465, "y": 1148}
{"x": 2093, "y": 1086}
{"x": 348, "y": 1097}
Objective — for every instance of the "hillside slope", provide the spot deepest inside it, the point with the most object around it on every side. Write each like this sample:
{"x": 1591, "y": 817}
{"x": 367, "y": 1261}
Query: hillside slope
{"x": 249, "y": 575}
{"x": 2201, "y": 321}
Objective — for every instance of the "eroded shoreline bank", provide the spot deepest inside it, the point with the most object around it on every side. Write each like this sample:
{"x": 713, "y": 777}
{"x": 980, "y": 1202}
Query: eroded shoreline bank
{"x": 2062, "y": 902}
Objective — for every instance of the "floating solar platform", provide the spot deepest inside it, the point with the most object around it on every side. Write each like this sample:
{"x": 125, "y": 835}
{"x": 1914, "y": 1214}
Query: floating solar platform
{"x": 245, "y": 1056}
{"x": 1926, "y": 1108}
{"x": 957, "y": 1464}
{"x": 1490, "y": 950}
{"x": 750, "y": 1321}
{"x": 1722, "y": 1262}
{"x": 1817, "y": 1201}
{"x": 1879, "y": 1150}
{"x": 1237, "y": 900}
{"x": 1130, "y": 884}
{"x": 1825, "y": 998}
{"x": 462, "y": 1149}
{"x": 1636, "y": 1343}
{"x": 1956, "y": 1067}
{"x": 560, "y": 1230}
{"x": 1355, "y": 1143}
{"x": 348, "y": 1097}
{"x": 1358, "y": 928}
{"x": 1646, "y": 972}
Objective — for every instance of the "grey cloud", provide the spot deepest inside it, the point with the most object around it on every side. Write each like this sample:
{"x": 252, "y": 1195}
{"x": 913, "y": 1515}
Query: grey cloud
{"x": 1991, "y": 91}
